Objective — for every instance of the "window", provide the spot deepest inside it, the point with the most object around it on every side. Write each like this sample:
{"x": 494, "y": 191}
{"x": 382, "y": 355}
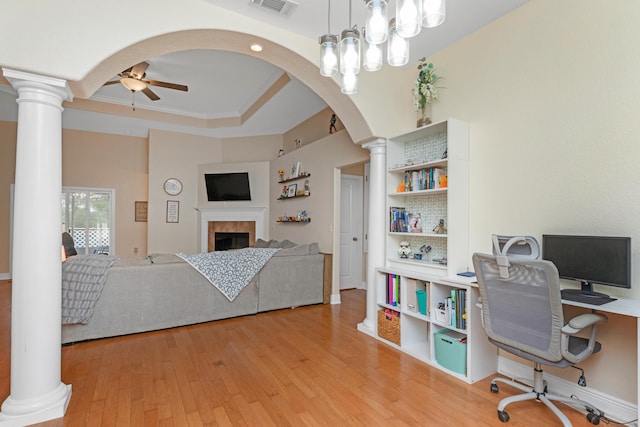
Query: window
{"x": 87, "y": 214}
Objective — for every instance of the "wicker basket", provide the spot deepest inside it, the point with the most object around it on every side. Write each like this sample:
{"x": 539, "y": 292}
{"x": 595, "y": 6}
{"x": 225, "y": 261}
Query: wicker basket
{"x": 389, "y": 325}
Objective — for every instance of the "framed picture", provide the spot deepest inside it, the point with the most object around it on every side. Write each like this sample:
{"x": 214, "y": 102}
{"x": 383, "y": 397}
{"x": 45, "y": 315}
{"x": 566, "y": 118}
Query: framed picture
{"x": 298, "y": 143}
{"x": 173, "y": 211}
{"x": 295, "y": 170}
{"x": 291, "y": 190}
{"x": 141, "y": 212}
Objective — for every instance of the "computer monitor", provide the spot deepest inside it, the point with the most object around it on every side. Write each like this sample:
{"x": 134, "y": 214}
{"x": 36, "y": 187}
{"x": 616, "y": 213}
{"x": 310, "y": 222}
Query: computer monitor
{"x": 603, "y": 260}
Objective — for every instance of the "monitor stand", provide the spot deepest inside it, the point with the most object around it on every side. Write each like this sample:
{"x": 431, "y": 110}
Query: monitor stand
{"x": 586, "y": 295}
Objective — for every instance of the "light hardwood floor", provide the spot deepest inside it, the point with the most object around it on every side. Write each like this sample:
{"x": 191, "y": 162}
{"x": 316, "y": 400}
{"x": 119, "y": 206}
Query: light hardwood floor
{"x": 301, "y": 367}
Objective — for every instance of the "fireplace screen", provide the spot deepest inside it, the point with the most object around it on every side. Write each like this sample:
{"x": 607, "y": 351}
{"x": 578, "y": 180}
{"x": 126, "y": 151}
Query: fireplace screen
{"x": 226, "y": 241}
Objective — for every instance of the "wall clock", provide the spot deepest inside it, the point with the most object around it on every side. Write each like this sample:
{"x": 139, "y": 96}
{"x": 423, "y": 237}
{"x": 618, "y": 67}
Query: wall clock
{"x": 172, "y": 186}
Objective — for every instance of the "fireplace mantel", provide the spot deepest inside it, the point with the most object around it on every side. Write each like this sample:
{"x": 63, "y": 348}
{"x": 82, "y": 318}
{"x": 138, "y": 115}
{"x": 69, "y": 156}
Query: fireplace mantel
{"x": 247, "y": 213}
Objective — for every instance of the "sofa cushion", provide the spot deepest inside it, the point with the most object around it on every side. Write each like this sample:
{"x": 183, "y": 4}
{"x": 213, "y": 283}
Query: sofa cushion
{"x": 306, "y": 249}
{"x": 262, "y": 243}
{"x": 164, "y": 258}
{"x": 127, "y": 262}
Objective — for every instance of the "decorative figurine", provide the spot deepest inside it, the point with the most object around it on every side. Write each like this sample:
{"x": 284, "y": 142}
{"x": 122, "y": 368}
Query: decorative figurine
{"x": 306, "y": 187}
{"x": 284, "y": 191}
{"x": 405, "y": 249}
{"x": 440, "y": 228}
{"x": 332, "y": 124}
{"x": 424, "y": 249}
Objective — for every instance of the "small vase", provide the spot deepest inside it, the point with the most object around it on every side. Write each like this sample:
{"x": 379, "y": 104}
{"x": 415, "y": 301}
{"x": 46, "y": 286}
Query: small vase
{"x": 424, "y": 116}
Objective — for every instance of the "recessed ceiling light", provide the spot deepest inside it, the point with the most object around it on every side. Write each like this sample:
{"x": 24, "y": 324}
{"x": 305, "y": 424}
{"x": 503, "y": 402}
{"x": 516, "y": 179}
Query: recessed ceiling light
{"x": 256, "y": 47}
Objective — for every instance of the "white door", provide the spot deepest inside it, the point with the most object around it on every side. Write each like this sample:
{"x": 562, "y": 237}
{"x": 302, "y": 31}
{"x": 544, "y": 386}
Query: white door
{"x": 350, "y": 232}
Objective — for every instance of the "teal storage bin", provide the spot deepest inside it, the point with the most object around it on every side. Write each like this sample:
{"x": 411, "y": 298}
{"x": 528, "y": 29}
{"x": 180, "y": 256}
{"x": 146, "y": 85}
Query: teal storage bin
{"x": 451, "y": 350}
{"x": 421, "y": 296}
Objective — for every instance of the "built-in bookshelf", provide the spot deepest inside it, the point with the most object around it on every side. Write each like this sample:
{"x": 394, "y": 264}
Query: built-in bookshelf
{"x": 425, "y": 307}
{"x": 427, "y": 178}
{"x": 421, "y": 301}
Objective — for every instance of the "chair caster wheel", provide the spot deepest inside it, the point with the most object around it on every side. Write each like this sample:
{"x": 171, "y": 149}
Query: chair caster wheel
{"x": 503, "y": 416}
{"x": 593, "y": 418}
{"x": 494, "y": 388}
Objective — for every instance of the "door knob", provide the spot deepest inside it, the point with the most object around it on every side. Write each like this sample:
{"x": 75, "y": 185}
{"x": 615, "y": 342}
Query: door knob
{"x": 355, "y": 239}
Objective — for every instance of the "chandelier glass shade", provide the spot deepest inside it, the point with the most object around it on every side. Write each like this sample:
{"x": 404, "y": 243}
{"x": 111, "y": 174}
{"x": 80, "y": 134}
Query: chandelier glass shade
{"x": 376, "y": 22}
{"x": 350, "y": 52}
{"x": 328, "y": 55}
{"x": 397, "y": 47}
{"x": 371, "y": 54}
{"x": 408, "y": 18}
{"x": 433, "y": 13}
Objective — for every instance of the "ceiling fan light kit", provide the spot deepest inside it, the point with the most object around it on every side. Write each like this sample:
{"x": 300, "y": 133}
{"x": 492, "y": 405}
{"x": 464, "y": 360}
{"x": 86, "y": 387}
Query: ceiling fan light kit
{"x": 134, "y": 85}
{"x": 411, "y": 17}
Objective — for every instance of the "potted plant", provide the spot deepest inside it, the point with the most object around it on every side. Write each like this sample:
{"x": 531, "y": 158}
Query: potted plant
{"x": 425, "y": 91}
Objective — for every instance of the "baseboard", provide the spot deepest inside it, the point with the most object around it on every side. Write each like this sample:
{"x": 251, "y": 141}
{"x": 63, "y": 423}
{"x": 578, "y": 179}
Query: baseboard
{"x": 5, "y": 276}
{"x": 335, "y": 299}
{"x": 613, "y": 408}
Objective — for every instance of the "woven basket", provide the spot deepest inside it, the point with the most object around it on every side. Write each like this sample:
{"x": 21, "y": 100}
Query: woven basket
{"x": 389, "y": 325}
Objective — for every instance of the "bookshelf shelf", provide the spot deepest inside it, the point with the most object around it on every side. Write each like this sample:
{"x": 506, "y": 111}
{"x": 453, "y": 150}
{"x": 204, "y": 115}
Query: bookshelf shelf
{"x": 295, "y": 178}
{"x": 293, "y": 197}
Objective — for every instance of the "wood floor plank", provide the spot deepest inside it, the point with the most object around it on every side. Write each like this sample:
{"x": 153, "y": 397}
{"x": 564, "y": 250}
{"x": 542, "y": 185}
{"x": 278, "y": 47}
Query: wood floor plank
{"x": 303, "y": 367}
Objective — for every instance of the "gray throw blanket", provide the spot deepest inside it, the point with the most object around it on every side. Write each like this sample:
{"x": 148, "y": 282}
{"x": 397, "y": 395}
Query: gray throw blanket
{"x": 83, "y": 278}
{"x": 230, "y": 271}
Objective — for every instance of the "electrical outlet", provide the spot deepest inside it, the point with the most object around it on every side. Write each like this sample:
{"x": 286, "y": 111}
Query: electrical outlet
{"x": 135, "y": 251}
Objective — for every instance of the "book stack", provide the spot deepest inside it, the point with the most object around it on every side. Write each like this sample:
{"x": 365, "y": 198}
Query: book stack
{"x": 398, "y": 220}
{"x": 393, "y": 290}
{"x": 456, "y": 305}
{"x": 424, "y": 179}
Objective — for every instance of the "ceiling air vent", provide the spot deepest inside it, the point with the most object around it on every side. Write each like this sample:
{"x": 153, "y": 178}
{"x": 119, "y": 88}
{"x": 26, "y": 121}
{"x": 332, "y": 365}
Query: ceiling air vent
{"x": 281, "y": 7}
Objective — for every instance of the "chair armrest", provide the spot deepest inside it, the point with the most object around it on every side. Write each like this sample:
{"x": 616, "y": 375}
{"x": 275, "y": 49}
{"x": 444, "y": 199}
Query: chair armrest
{"x": 582, "y": 321}
{"x": 576, "y": 325}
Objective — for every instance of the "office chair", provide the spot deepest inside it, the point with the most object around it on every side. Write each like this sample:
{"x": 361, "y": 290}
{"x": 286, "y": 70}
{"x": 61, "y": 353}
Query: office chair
{"x": 522, "y": 314}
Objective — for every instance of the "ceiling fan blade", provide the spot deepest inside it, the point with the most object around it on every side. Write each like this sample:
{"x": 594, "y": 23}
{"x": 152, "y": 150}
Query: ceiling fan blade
{"x": 167, "y": 85}
{"x": 152, "y": 96}
{"x": 111, "y": 82}
{"x": 137, "y": 71}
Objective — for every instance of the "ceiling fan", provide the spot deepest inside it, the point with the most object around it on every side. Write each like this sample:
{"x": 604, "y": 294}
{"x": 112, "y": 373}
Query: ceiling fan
{"x": 133, "y": 79}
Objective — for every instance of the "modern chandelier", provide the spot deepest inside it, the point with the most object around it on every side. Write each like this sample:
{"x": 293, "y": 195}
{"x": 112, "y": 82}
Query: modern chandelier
{"x": 345, "y": 54}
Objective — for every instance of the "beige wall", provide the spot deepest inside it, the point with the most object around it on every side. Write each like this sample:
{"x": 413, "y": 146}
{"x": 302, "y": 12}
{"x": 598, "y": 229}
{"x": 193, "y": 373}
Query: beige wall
{"x": 554, "y": 137}
{"x": 111, "y": 161}
{"x": 88, "y": 160}
{"x": 311, "y": 130}
{"x": 319, "y": 159}
{"x": 8, "y": 136}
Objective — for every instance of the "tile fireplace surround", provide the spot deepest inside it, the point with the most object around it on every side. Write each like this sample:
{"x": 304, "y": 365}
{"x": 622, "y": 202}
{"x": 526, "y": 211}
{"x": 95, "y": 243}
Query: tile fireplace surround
{"x": 245, "y": 219}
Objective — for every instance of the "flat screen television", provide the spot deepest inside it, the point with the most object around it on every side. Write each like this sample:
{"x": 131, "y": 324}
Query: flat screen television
{"x": 230, "y": 186}
{"x": 602, "y": 260}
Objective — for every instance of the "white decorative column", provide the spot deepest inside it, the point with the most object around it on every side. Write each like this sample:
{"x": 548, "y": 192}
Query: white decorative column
{"x": 37, "y": 393}
{"x": 377, "y": 227}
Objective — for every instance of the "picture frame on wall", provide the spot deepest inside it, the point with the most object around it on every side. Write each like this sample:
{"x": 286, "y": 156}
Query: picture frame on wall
{"x": 140, "y": 211}
{"x": 173, "y": 211}
{"x": 295, "y": 170}
{"x": 291, "y": 190}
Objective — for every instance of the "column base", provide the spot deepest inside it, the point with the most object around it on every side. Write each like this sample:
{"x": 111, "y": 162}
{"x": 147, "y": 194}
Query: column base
{"x": 364, "y": 328}
{"x": 335, "y": 299}
{"x": 49, "y": 407}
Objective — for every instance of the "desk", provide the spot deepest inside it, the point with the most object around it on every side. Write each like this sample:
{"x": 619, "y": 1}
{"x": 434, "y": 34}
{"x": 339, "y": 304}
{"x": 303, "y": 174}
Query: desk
{"x": 622, "y": 306}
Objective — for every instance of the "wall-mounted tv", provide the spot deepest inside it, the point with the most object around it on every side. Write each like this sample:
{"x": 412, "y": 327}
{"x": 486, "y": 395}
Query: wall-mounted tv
{"x": 222, "y": 187}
